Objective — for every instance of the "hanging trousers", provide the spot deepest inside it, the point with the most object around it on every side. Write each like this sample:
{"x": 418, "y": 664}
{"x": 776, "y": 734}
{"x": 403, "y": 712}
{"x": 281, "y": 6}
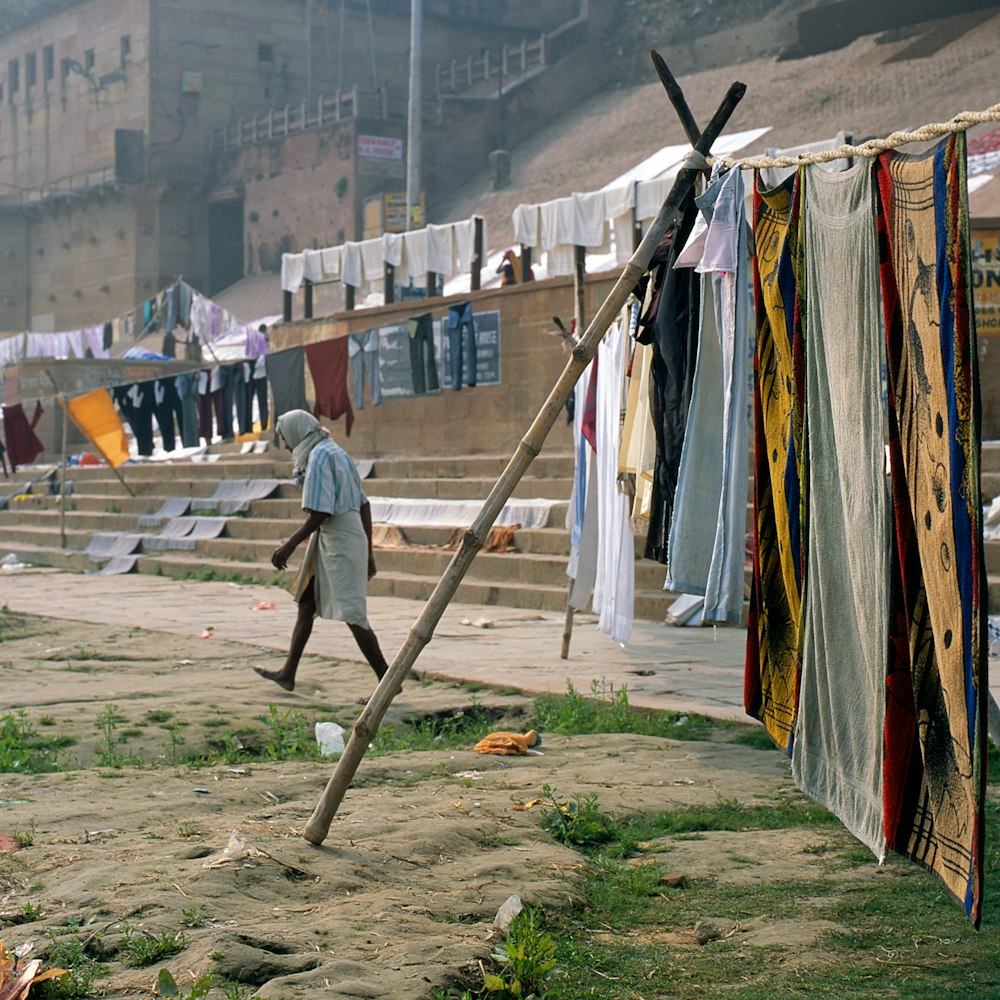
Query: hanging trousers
{"x": 423, "y": 364}
{"x": 462, "y": 344}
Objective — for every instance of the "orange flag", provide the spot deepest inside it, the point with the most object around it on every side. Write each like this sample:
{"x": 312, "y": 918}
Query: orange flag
{"x": 96, "y": 416}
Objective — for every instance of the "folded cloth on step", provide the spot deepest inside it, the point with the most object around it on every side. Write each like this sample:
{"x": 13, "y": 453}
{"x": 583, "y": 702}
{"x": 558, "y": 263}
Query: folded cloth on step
{"x": 108, "y": 544}
{"x": 172, "y": 507}
{"x": 508, "y": 744}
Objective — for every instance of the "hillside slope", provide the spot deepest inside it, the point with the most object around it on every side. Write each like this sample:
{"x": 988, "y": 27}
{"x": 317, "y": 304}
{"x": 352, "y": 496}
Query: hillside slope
{"x": 877, "y": 85}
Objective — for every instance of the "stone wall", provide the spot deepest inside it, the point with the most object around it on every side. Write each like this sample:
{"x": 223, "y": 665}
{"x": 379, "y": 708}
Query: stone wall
{"x": 480, "y": 420}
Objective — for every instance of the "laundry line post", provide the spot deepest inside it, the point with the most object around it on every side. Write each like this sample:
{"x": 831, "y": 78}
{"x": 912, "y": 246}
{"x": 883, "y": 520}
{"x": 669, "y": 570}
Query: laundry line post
{"x": 693, "y": 133}
{"x": 367, "y": 724}
{"x": 579, "y": 273}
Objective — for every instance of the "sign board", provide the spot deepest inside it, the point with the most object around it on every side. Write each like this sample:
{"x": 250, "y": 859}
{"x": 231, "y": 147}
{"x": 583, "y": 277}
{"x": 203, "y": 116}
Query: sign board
{"x": 386, "y": 213}
{"x": 394, "y": 364}
{"x": 380, "y": 147}
{"x": 986, "y": 280}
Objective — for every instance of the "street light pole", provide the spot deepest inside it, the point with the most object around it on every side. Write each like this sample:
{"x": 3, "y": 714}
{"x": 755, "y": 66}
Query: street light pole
{"x": 413, "y": 122}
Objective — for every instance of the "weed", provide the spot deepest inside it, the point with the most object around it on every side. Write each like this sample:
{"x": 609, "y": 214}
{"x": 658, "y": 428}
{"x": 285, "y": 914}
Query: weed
{"x": 290, "y": 735}
{"x": 47, "y": 720}
{"x": 28, "y": 914}
{"x": 112, "y": 508}
{"x": 167, "y": 986}
{"x": 159, "y": 715}
{"x": 67, "y": 951}
{"x": 435, "y": 732}
{"x": 156, "y": 570}
{"x": 174, "y": 741}
{"x": 147, "y": 948}
{"x": 525, "y": 959}
{"x": 25, "y": 838}
{"x": 189, "y": 829}
{"x": 108, "y": 722}
{"x": 607, "y": 710}
{"x": 24, "y": 751}
{"x": 577, "y": 823}
{"x": 192, "y": 917}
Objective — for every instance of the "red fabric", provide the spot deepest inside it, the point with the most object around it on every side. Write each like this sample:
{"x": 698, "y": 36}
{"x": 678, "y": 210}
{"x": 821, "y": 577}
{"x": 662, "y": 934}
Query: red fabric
{"x": 23, "y": 445}
{"x": 328, "y": 364}
{"x": 588, "y": 427}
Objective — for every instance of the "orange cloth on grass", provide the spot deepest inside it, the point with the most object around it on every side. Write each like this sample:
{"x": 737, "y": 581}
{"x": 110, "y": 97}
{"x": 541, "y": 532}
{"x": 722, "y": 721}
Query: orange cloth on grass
{"x": 95, "y": 414}
{"x": 508, "y": 744}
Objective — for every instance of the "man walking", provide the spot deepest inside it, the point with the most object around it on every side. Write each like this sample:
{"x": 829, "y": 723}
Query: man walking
{"x": 339, "y": 560}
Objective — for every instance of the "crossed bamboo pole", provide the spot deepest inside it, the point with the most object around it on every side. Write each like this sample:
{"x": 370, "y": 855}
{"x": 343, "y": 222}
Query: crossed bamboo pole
{"x": 420, "y": 634}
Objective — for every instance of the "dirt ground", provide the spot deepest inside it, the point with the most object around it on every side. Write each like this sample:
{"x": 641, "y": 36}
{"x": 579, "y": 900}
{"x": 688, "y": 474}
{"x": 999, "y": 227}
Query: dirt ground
{"x": 426, "y": 847}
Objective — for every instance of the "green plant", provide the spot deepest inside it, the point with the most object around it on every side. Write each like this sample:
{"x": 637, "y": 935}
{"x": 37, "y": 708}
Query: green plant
{"x": 167, "y": 986}
{"x": 25, "y": 838}
{"x": 175, "y": 739}
{"x": 190, "y": 829}
{"x": 578, "y": 822}
{"x": 192, "y": 917}
{"x": 67, "y": 951}
{"x": 23, "y": 751}
{"x": 108, "y": 722}
{"x": 290, "y": 735}
{"x": 47, "y": 720}
{"x": 112, "y": 508}
{"x": 525, "y": 959}
{"x": 147, "y": 948}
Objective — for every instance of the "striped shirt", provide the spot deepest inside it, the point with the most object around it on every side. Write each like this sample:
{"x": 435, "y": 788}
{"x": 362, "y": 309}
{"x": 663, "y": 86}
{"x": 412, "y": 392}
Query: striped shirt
{"x": 332, "y": 484}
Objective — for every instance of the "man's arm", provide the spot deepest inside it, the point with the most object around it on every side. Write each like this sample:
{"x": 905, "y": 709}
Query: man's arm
{"x": 366, "y": 520}
{"x": 281, "y": 555}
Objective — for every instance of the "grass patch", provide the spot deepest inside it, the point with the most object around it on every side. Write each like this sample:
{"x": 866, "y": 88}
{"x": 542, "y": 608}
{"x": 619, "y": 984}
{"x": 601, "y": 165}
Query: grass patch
{"x": 452, "y": 731}
{"x": 24, "y": 751}
{"x": 902, "y": 935}
{"x": 139, "y": 950}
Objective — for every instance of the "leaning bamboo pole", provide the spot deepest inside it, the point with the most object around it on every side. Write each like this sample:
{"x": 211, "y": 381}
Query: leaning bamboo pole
{"x": 420, "y": 634}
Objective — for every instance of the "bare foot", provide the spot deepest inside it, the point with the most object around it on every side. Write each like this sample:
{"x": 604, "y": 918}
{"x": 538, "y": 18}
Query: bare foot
{"x": 275, "y": 675}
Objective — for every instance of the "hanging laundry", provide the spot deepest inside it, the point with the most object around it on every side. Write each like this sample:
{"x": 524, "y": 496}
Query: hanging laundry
{"x": 187, "y": 391}
{"x": 771, "y": 680}
{"x": 23, "y": 445}
{"x": 423, "y": 365}
{"x": 670, "y": 325}
{"x": 362, "y": 351}
{"x": 440, "y": 249}
{"x": 462, "y": 344}
{"x": 935, "y": 714}
{"x": 94, "y": 413}
{"x": 614, "y": 582}
{"x": 838, "y": 750}
{"x": 286, "y": 374}
{"x": 328, "y": 368}
{"x": 706, "y": 552}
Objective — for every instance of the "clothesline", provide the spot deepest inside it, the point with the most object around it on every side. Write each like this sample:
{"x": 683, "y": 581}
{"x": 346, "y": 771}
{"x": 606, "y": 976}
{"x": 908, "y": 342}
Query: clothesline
{"x": 872, "y": 147}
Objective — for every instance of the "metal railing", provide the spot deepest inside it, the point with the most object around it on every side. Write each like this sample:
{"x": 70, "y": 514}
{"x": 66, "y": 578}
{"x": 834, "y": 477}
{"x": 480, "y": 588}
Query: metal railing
{"x": 302, "y": 117}
{"x": 513, "y": 60}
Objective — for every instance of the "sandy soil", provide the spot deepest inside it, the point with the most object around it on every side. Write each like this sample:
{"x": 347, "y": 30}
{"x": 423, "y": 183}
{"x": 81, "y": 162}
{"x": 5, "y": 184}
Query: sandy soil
{"x": 426, "y": 847}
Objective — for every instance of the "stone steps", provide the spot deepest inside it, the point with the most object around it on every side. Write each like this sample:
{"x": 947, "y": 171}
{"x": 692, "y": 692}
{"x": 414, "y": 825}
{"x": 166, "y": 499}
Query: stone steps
{"x": 531, "y": 578}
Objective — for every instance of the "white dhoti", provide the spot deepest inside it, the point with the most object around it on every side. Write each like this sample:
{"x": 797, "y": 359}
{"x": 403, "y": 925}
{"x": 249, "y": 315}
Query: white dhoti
{"x": 337, "y": 559}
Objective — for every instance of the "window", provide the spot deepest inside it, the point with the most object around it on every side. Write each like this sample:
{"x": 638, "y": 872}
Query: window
{"x": 125, "y": 48}
{"x": 265, "y": 52}
{"x": 48, "y": 63}
{"x": 88, "y": 60}
{"x": 64, "y": 69}
{"x": 30, "y": 69}
{"x": 13, "y": 77}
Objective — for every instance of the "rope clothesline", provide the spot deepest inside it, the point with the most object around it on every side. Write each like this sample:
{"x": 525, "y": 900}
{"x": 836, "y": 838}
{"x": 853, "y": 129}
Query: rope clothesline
{"x": 872, "y": 147}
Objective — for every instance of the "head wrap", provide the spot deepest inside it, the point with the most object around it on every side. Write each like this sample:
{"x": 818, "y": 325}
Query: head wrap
{"x": 301, "y": 431}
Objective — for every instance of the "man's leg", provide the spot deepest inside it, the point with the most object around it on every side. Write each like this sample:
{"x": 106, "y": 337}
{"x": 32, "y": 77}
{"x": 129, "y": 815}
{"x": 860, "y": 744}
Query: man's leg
{"x": 368, "y": 644}
{"x": 285, "y": 677}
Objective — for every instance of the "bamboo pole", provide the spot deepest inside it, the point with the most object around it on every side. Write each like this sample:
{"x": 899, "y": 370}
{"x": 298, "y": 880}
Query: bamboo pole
{"x": 579, "y": 273}
{"x": 420, "y": 634}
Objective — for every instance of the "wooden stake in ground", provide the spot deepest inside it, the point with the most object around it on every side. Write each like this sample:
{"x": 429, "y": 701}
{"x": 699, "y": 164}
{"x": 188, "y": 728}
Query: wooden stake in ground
{"x": 579, "y": 273}
{"x": 366, "y": 727}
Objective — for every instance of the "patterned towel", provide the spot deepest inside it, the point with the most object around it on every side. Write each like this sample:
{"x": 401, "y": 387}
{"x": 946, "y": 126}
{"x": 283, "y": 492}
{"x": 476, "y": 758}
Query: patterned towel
{"x": 935, "y": 732}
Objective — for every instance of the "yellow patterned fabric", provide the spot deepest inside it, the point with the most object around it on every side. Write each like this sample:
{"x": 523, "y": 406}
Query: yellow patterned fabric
{"x": 772, "y": 667}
